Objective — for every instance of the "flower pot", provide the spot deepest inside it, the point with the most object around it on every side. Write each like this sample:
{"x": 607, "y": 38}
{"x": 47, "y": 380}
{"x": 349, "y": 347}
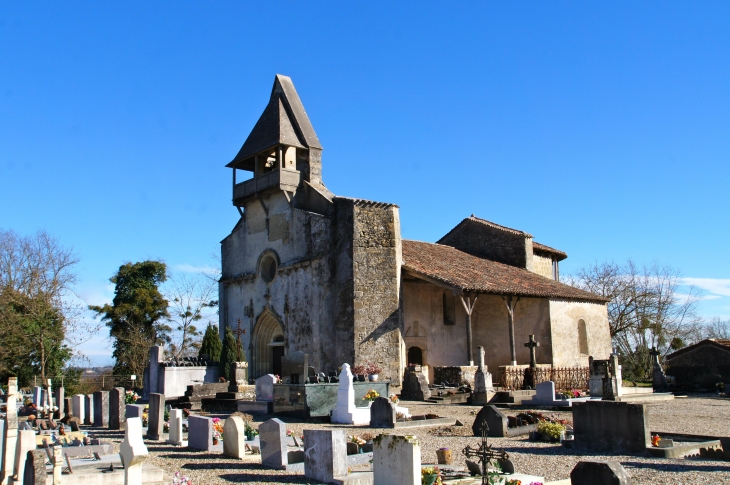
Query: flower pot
{"x": 428, "y": 479}
{"x": 373, "y": 377}
{"x": 361, "y": 378}
{"x": 215, "y": 441}
{"x": 444, "y": 457}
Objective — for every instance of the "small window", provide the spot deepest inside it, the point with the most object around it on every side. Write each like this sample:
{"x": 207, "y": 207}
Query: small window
{"x": 582, "y": 337}
{"x": 268, "y": 268}
{"x": 449, "y": 309}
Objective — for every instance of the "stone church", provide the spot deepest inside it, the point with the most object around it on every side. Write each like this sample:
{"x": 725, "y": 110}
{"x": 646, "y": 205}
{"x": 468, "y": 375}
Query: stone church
{"x": 306, "y": 270}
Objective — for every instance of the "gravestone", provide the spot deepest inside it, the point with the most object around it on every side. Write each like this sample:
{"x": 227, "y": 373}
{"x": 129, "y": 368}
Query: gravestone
{"x": 88, "y": 417}
{"x": 545, "y": 396}
{"x": 101, "y": 409}
{"x": 496, "y": 421}
{"x": 11, "y": 431}
{"x": 133, "y": 452}
{"x": 239, "y": 377}
{"x": 117, "y": 411}
{"x": 37, "y": 396}
{"x": 272, "y": 438}
{"x": 57, "y": 462}
{"x": 382, "y": 413}
{"x": 265, "y": 388}
{"x": 605, "y": 381}
{"x": 68, "y": 407}
{"x": 612, "y": 427}
{"x": 415, "y": 386}
{"x": 599, "y": 473}
{"x": 482, "y": 382}
{"x": 346, "y": 412}
{"x": 176, "y": 432}
{"x": 60, "y": 403}
{"x": 659, "y": 379}
{"x": 325, "y": 454}
{"x": 35, "y": 468}
{"x": 156, "y": 416}
{"x": 79, "y": 400}
{"x": 134, "y": 410}
{"x": 396, "y": 460}
{"x": 234, "y": 431}
{"x": 200, "y": 433}
{"x": 26, "y": 443}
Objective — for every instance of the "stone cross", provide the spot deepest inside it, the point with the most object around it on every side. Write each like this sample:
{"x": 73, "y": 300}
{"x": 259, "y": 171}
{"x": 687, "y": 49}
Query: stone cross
{"x": 10, "y": 432}
{"x": 655, "y": 355}
{"x": 240, "y": 331}
{"x": 133, "y": 452}
{"x": 531, "y": 345}
{"x": 397, "y": 460}
{"x": 176, "y": 422}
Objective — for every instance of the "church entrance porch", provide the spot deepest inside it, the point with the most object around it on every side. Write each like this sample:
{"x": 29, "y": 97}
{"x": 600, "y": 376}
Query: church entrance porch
{"x": 268, "y": 345}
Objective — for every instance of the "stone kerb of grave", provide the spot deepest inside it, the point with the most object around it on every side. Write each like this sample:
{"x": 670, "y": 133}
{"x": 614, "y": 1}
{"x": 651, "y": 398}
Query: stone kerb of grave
{"x": 599, "y": 473}
{"x": 234, "y": 443}
{"x": 396, "y": 460}
{"x": 325, "y": 454}
{"x": 611, "y": 427}
{"x": 346, "y": 412}
{"x": 498, "y": 424}
{"x": 133, "y": 452}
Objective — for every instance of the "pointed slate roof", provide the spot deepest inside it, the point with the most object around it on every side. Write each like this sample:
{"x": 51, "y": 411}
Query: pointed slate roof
{"x": 284, "y": 121}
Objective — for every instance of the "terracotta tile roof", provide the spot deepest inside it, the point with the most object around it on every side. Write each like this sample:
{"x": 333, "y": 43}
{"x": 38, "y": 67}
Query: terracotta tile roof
{"x": 497, "y": 226}
{"x": 536, "y": 246}
{"x": 470, "y": 273}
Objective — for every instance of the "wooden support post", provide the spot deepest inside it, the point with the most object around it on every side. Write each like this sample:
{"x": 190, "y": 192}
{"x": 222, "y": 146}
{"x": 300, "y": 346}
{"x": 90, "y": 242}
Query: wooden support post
{"x": 469, "y": 308}
{"x": 511, "y": 304}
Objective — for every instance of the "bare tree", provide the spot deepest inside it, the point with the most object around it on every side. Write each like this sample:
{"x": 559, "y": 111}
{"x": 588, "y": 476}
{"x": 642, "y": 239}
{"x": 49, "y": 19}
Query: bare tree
{"x": 718, "y": 328}
{"x": 192, "y": 298}
{"x": 645, "y": 310}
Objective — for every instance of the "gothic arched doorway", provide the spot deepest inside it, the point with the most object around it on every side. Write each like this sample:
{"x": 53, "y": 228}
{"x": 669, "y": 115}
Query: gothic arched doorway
{"x": 268, "y": 345}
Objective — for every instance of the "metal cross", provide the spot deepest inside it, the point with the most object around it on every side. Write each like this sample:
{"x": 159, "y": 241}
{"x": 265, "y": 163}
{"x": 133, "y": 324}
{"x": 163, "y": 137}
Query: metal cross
{"x": 485, "y": 454}
{"x": 238, "y": 334}
{"x": 531, "y": 345}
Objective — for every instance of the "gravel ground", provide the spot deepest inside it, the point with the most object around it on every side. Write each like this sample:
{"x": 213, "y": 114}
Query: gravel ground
{"x": 683, "y": 415}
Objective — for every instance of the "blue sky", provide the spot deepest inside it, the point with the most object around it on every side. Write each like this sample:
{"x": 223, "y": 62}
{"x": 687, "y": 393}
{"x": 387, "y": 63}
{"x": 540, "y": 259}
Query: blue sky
{"x": 601, "y": 129}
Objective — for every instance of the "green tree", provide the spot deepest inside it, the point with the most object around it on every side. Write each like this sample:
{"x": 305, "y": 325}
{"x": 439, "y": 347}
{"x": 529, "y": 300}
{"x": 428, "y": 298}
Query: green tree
{"x": 36, "y": 274}
{"x": 212, "y": 344}
{"x": 231, "y": 352}
{"x": 137, "y": 314}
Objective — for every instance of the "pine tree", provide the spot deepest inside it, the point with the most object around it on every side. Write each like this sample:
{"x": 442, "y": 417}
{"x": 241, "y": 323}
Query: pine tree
{"x": 229, "y": 353}
{"x": 212, "y": 344}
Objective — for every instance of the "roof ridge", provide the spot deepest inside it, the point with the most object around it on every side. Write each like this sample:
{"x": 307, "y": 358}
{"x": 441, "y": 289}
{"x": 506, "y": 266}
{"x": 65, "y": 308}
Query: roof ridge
{"x": 498, "y": 226}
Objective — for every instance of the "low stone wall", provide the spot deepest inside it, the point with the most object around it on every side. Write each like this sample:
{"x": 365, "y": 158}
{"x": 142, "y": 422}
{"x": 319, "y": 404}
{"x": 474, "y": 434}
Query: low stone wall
{"x": 174, "y": 381}
{"x": 462, "y": 375}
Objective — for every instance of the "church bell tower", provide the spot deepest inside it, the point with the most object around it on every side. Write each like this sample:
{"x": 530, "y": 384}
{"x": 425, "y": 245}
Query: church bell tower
{"x": 282, "y": 151}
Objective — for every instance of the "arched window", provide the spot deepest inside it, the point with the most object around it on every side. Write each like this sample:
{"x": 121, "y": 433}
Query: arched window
{"x": 415, "y": 356}
{"x": 582, "y": 337}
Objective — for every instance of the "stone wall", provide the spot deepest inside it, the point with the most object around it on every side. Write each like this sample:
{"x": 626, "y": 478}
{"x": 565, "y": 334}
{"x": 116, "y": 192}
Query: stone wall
{"x": 377, "y": 258}
{"x": 542, "y": 265}
{"x": 565, "y": 318}
{"x": 505, "y": 246}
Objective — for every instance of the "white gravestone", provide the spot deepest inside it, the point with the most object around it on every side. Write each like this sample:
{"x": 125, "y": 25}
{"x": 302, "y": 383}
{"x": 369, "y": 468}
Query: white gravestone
{"x": 265, "y": 388}
{"x": 346, "y": 412}
{"x": 234, "y": 431}
{"x": 133, "y": 452}
{"x": 79, "y": 401}
{"x": 396, "y": 460}
{"x": 26, "y": 443}
{"x": 11, "y": 431}
{"x": 176, "y": 432}
{"x": 482, "y": 382}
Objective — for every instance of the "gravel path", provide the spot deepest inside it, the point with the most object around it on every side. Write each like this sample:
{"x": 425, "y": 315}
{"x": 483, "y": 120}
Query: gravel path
{"x": 683, "y": 415}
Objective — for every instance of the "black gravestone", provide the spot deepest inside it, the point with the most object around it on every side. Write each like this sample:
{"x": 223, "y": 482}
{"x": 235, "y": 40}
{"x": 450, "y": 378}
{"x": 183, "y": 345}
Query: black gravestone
{"x": 496, "y": 421}
{"x": 599, "y": 473}
{"x": 382, "y": 413}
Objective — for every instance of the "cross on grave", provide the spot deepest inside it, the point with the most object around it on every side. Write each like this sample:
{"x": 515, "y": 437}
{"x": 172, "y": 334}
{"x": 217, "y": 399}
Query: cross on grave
{"x": 240, "y": 331}
{"x": 655, "y": 355}
{"x": 531, "y": 345}
{"x": 485, "y": 455}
